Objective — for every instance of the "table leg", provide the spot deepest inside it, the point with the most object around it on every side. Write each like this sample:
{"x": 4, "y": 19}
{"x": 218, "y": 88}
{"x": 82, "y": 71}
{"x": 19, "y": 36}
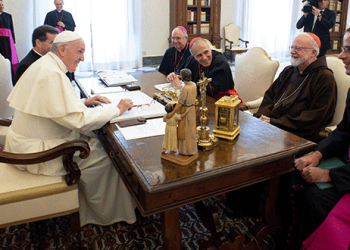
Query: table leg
{"x": 268, "y": 203}
{"x": 171, "y": 229}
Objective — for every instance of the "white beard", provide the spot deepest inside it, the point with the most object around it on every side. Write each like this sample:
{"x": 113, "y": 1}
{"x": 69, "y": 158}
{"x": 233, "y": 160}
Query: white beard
{"x": 297, "y": 61}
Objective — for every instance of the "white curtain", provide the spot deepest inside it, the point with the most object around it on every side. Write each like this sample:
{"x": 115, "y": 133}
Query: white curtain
{"x": 269, "y": 24}
{"x": 110, "y": 29}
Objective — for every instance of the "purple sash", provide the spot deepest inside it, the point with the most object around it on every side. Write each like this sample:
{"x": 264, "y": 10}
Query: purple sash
{"x": 60, "y": 28}
{"x": 14, "y": 59}
{"x": 334, "y": 232}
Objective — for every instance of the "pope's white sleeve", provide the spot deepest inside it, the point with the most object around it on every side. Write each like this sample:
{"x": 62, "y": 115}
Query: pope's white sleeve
{"x": 91, "y": 119}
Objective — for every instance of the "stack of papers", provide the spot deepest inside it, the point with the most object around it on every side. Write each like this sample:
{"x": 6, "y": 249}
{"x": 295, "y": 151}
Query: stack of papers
{"x": 116, "y": 78}
{"x": 99, "y": 91}
{"x": 145, "y": 106}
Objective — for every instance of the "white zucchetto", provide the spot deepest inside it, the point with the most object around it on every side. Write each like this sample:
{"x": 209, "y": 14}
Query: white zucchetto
{"x": 66, "y": 36}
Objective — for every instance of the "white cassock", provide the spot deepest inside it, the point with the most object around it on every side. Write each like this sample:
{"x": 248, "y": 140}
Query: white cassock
{"x": 48, "y": 113}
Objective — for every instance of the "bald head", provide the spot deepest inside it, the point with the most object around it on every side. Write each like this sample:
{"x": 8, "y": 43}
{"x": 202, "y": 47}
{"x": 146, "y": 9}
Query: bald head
{"x": 201, "y": 51}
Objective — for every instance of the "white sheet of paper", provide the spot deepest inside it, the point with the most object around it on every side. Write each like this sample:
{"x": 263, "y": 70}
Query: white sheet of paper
{"x": 152, "y": 127}
{"x": 99, "y": 91}
{"x": 154, "y": 110}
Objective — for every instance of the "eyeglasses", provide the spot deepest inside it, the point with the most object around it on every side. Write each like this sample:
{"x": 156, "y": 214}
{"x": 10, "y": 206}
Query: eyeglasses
{"x": 176, "y": 38}
{"x": 298, "y": 49}
{"x": 346, "y": 49}
{"x": 144, "y": 106}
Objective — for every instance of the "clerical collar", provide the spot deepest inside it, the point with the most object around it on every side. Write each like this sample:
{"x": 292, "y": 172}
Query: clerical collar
{"x": 59, "y": 11}
{"x": 37, "y": 52}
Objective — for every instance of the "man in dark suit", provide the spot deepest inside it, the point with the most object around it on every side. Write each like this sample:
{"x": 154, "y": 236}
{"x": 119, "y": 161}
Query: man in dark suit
{"x": 59, "y": 18}
{"x": 319, "y": 22}
{"x": 42, "y": 39}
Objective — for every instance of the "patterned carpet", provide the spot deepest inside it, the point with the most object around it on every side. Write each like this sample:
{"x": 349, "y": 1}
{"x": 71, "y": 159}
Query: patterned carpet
{"x": 144, "y": 234}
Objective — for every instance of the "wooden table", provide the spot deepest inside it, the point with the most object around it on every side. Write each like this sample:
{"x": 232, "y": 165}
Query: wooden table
{"x": 261, "y": 152}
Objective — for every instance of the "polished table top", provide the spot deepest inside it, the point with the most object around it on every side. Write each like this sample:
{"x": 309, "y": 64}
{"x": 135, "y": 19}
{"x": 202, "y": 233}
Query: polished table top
{"x": 158, "y": 185}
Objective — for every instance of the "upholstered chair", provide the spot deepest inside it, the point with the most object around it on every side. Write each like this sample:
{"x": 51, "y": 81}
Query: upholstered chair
{"x": 233, "y": 42}
{"x": 6, "y": 87}
{"x": 254, "y": 73}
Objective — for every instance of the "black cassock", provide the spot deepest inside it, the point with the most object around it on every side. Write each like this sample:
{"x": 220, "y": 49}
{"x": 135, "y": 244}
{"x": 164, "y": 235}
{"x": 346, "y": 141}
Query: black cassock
{"x": 6, "y": 49}
{"x": 314, "y": 203}
{"x": 219, "y": 71}
{"x": 53, "y": 17}
{"x": 25, "y": 63}
{"x": 173, "y": 60}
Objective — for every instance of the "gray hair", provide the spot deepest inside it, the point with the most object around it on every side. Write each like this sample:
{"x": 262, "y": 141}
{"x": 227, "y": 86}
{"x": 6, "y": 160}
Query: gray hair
{"x": 183, "y": 32}
{"x": 200, "y": 40}
{"x": 55, "y": 46}
{"x": 54, "y": 2}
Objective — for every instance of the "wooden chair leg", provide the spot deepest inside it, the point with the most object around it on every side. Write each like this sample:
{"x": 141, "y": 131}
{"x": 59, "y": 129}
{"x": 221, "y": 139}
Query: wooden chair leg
{"x": 75, "y": 222}
{"x": 75, "y": 228}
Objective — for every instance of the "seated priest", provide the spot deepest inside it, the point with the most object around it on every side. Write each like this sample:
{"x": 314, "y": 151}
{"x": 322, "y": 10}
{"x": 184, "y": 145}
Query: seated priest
{"x": 213, "y": 64}
{"x": 176, "y": 56}
{"x": 325, "y": 209}
{"x": 302, "y": 99}
{"x": 48, "y": 112}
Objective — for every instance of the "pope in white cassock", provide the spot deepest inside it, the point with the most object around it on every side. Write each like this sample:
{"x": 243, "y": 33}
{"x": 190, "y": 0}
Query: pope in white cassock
{"x": 48, "y": 113}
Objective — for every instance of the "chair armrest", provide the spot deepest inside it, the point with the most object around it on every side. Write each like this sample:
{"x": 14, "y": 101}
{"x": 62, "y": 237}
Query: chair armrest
{"x": 228, "y": 41}
{"x": 5, "y": 122}
{"x": 254, "y": 104}
{"x": 326, "y": 131}
{"x": 246, "y": 42}
{"x": 66, "y": 150}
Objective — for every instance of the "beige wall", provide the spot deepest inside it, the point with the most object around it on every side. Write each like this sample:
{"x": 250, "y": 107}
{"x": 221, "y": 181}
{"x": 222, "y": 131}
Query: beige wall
{"x": 155, "y": 27}
{"x": 22, "y": 15}
{"x": 154, "y": 18}
{"x": 155, "y": 24}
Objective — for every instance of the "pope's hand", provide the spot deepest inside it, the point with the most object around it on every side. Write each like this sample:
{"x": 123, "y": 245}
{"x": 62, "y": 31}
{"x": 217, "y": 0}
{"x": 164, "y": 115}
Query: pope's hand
{"x": 96, "y": 100}
{"x": 124, "y": 105}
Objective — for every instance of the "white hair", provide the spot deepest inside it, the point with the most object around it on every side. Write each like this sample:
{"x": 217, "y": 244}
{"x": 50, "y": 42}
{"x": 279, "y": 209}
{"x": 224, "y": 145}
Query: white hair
{"x": 313, "y": 44}
{"x": 183, "y": 32}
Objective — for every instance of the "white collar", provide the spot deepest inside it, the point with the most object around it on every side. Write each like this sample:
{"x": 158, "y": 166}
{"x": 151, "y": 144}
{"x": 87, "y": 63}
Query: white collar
{"x": 37, "y": 52}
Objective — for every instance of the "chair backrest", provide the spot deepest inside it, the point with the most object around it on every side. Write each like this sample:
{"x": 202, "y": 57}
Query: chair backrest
{"x": 213, "y": 47}
{"x": 343, "y": 84}
{"x": 6, "y": 87}
{"x": 254, "y": 73}
{"x": 231, "y": 32}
